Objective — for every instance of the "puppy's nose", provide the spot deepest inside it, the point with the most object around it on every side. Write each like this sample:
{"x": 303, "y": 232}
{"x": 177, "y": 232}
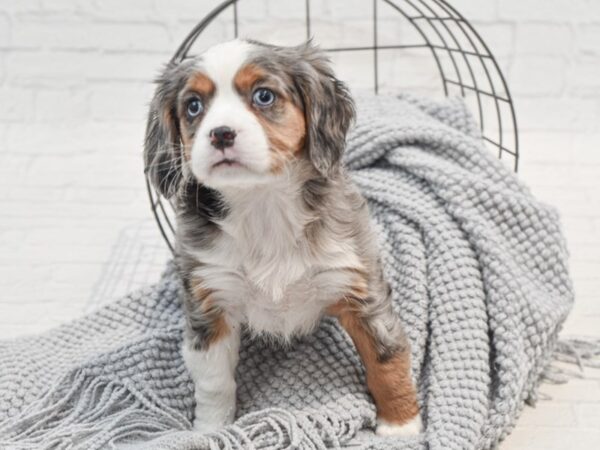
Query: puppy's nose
{"x": 222, "y": 137}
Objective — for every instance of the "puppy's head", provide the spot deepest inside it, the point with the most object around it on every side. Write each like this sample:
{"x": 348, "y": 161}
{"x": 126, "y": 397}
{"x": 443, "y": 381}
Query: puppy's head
{"x": 241, "y": 112}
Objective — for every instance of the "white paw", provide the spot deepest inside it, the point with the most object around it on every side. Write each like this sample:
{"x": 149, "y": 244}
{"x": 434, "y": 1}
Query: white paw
{"x": 202, "y": 425}
{"x": 216, "y": 419}
{"x": 411, "y": 428}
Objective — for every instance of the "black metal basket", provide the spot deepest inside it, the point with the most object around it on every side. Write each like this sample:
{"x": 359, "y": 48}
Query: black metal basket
{"x": 464, "y": 63}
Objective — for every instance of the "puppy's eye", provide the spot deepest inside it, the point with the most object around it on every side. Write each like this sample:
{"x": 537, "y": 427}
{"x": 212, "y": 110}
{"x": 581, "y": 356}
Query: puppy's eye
{"x": 194, "y": 107}
{"x": 263, "y": 97}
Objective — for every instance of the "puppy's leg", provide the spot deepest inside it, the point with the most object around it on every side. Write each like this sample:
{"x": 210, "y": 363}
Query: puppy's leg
{"x": 210, "y": 351}
{"x": 384, "y": 349}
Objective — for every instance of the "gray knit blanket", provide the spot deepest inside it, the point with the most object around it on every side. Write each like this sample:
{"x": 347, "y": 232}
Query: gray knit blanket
{"x": 478, "y": 270}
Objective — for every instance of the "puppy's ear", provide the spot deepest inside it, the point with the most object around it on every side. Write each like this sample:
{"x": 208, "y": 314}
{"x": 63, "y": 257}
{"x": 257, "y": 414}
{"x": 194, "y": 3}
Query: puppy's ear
{"x": 163, "y": 147}
{"x": 328, "y": 108}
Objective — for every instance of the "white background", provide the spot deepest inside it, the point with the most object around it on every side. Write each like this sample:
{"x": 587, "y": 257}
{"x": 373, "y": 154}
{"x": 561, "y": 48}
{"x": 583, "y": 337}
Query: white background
{"x": 75, "y": 79}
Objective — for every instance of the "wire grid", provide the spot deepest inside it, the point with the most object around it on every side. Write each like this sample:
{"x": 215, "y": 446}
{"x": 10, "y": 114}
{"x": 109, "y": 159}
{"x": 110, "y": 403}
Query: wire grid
{"x": 465, "y": 64}
{"x": 136, "y": 260}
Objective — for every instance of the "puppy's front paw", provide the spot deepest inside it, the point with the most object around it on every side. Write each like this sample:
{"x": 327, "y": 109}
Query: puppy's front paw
{"x": 209, "y": 424}
{"x": 208, "y": 420}
{"x": 201, "y": 425}
{"x": 411, "y": 428}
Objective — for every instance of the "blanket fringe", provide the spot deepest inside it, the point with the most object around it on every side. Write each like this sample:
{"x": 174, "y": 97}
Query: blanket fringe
{"x": 87, "y": 412}
{"x": 273, "y": 428}
{"x": 577, "y": 351}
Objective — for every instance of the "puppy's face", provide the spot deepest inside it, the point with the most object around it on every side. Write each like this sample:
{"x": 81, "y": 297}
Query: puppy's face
{"x": 242, "y": 112}
{"x": 240, "y": 122}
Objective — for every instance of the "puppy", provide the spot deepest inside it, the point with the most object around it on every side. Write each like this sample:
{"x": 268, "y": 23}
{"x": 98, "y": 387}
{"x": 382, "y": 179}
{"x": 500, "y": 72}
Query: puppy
{"x": 246, "y": 141}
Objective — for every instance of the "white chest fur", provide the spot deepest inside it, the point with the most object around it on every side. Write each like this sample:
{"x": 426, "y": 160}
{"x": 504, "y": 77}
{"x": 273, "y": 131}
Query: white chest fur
{"x": 265, "y": 269}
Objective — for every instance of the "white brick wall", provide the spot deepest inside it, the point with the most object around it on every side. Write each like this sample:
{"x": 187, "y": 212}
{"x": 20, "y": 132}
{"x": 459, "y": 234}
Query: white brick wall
{"x": 550, "y": 50}
{"x": 75, "y": 79}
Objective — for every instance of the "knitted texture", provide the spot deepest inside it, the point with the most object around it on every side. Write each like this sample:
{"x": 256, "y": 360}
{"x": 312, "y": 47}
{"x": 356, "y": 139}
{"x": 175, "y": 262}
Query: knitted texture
{"x": 479, "y": 278}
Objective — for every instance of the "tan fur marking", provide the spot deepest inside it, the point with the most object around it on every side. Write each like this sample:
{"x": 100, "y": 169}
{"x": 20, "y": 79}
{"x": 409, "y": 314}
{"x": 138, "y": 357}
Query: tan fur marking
{"x": 389, "y": 381}
{"x": 201, "y": 84}
{"x": 286, "y": 137}
{"x": 219, "y": 327}
{"x": 359, "y": 290}
{"x": 187, "y": 145}
{"x": 204, "y": 86}
{"x": 285, "y": 134}
{"x": 247, "y": 76}
{"x": 200, "y": 292}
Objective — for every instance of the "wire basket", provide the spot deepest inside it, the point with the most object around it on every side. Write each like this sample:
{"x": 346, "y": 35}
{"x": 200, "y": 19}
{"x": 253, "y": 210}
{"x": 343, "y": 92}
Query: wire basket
{"x": 425, "y": 46}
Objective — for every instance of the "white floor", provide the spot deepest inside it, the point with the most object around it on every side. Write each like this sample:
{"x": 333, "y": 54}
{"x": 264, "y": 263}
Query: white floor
{"x": 72, "y": 199}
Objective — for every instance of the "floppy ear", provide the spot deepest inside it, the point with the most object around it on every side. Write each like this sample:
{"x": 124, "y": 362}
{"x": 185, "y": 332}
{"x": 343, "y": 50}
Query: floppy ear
{"x": 328, "y": 109}
{"x": 162, "y": 146}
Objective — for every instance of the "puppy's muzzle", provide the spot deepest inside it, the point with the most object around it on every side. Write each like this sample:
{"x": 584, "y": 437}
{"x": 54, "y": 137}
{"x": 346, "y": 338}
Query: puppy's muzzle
{"x": 222, "y": 137}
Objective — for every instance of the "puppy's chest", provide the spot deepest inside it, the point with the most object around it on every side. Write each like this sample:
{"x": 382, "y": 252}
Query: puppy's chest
{"x": 271, "y": 276}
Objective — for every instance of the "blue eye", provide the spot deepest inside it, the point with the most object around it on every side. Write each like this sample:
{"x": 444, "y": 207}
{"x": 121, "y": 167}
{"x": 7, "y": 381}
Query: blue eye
{"x": 194, "y": 107}
{"x": 263, "y": 97}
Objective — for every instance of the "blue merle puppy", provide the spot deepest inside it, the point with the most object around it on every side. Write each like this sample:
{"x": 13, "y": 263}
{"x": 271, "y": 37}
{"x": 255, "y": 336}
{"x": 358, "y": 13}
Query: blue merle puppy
{"x": 246, "y": 141}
